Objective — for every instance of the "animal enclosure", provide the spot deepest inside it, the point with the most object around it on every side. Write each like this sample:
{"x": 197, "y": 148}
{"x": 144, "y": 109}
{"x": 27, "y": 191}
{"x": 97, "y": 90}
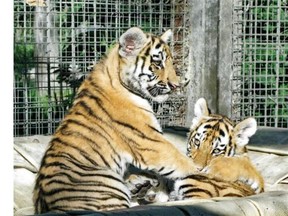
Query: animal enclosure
{"x": 235, "y": 54}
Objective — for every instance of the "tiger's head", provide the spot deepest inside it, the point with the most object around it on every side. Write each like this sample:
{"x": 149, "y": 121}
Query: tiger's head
{"x": 147, "y": 67}
{"x": 214, "y": 135}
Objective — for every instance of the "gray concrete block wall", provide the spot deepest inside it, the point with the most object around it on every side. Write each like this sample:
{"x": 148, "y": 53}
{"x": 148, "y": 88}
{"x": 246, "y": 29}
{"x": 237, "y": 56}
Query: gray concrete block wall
{"x": 210, "y": 59}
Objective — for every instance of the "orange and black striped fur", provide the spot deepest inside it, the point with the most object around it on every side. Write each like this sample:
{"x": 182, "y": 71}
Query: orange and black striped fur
{"x": 110, "y": 125}
{"x": 217, "y": 146}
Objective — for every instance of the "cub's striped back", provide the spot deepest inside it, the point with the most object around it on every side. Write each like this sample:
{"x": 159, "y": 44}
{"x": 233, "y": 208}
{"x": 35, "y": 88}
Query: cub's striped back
{"x": 110, "y": 125}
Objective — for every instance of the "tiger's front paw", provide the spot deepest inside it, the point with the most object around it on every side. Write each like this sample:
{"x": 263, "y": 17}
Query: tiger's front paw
{"x": 233, "y": 169}
{"x": 257, "y": 184}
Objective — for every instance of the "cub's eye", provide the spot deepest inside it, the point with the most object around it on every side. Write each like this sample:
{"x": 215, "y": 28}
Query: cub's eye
{"x": 158, "y": 63}
{"x": 196, "y": 142}
{"x": 216, "y": 151}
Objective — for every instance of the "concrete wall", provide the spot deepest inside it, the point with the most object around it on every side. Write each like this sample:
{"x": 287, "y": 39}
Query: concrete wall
{"x": 210, "y": 57}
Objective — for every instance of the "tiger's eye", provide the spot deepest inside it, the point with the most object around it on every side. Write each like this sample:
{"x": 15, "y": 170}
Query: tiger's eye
{"x": 196, "y": 142}
{"x": 158, "y": 63}
{"x": 216, "y": 151}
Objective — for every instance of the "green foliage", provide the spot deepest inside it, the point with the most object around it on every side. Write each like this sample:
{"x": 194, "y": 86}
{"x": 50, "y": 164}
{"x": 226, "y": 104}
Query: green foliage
{"x": 23, "y": 58}
{"x": 265, "y": 66}
{"x": 87, "y": 30}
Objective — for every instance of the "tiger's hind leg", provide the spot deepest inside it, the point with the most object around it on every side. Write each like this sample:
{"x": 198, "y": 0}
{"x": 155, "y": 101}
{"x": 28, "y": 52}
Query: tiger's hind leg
{"x": 85, "y": 189}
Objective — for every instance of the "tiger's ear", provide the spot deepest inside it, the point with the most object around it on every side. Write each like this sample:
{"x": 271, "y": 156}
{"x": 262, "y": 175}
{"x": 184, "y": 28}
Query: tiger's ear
{"x": 166, "y": 36}
{"x": 244, "y": 130}
{"x": 131, "y": 42}
{"x": 200, "y": 109}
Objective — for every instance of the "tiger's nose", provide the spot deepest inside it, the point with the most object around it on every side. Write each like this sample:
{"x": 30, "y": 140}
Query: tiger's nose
{"x": 172, "y": 86}
{"x": 199, "y": 167}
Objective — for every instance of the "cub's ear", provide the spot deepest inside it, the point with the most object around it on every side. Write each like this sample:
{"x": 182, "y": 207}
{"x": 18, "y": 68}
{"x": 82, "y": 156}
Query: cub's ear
{"x": 166, "y": 36}
{"x": 200, "y": 109}
{"x": 244, "y": 130}
{"x": 131, "y": 42}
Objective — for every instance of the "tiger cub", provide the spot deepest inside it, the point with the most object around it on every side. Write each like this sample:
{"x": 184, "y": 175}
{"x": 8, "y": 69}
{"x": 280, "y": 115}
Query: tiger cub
{"x": 110, "y": 125}
{"x": 218, "y": 148}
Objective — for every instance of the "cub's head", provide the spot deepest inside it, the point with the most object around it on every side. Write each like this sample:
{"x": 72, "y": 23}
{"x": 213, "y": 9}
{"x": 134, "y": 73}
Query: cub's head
{"x": 216, "y": 135}
{"x": 146, "y": 64}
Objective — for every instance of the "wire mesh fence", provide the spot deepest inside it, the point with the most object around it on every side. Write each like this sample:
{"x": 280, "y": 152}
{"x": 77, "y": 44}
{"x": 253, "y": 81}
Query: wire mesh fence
{"x": 56, "y": 43}
{"x": 260, "y": 61}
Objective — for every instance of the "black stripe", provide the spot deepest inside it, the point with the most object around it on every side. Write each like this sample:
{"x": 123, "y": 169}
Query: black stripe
{"x": 75, "y": 198}
{"x": 153, "y": 39}
{"x": 138, "y": 132}
{"x": 133, "y": 91}
{"x": 56, "y": 191}
{"x": 147, "y": 51}
{"x": 159, "y": 44}
{"x": 89, "y": 110}
{"x": 81, "y": 175}
{"x": 226, "y": 127}
{"x": 143, "y": 64}
{"x": 83, "y": 153}
{"x": 234, "y": 195}
{"x": 95, "y": 184}
{"x": 168, "y": 173}
{"x": 197, "y": 190}
{"x": 196, "y": 177}
{"x": 69, "y": 132}
{"x": 119, "y": 168}
{"x": 71, "y": 159}
{"x": 136, "y": 65}
{"x": 231, "y": 151}
{"x": 66, "y": 208}
{"x": 109, "y": 75}
{"x": 99, "y": 126}
{"x": 154, "y": 129}
{"x": 89, "y": 201}
{"x": 135, "y": 154}
{"x": 77, "y": 134}
{"x": 222, "y": 133}
{"x": 91, "y": 113}
{"x": 207, "y": 126}
{"x": 56, "y": 163}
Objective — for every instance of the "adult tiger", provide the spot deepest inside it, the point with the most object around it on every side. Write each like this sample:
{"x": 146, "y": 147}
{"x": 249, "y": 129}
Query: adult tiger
{"x": 111, "y": 124}
{"x": 218, "y": 148}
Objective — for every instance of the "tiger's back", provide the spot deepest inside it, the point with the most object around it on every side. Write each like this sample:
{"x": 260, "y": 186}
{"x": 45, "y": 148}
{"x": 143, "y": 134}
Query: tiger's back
{"x": 111, "y": 124}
